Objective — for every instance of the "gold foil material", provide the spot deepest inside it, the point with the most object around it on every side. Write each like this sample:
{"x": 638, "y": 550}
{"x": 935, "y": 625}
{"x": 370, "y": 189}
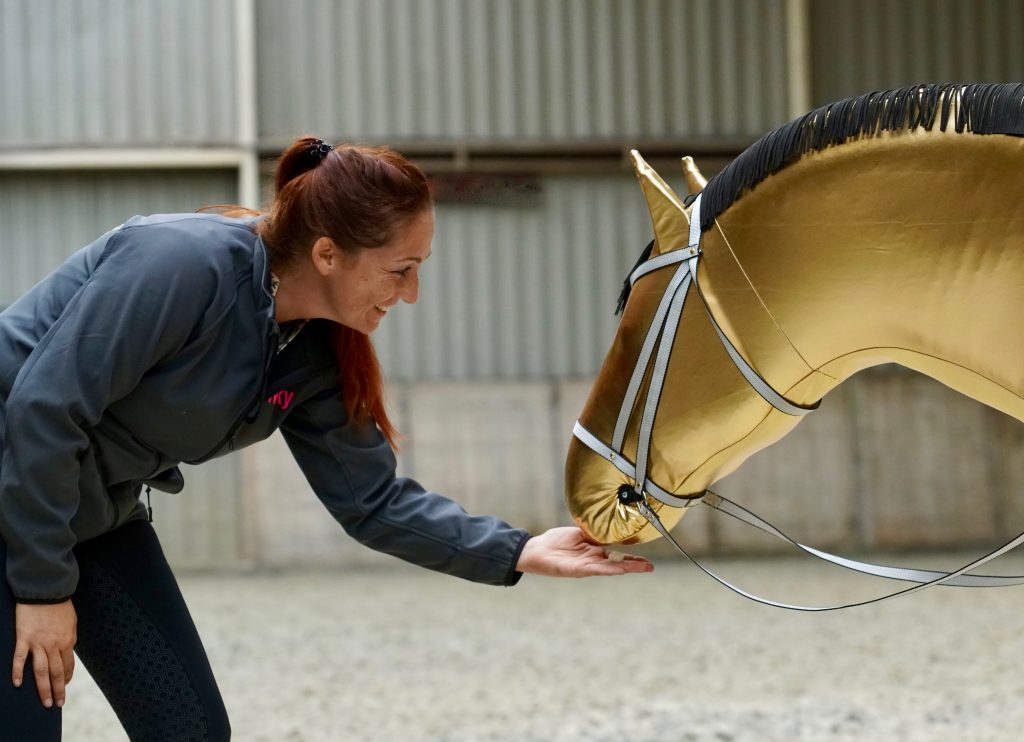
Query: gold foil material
{"x": 905, "y": 247}
{"x": 695, "y": 180}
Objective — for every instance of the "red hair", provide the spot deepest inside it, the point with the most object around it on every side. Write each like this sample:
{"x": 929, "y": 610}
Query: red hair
{"x": 359, "y": 197}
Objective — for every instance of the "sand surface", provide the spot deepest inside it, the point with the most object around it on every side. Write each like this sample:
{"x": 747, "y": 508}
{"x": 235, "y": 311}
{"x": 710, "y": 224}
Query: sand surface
{"x": 405, "y": 654}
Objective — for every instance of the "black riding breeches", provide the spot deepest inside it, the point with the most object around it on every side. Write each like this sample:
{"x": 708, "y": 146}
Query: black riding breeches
{"x": 136, "y": 638}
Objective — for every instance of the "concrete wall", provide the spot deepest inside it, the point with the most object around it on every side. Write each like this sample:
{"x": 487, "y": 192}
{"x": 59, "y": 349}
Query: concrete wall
{"x": 892, "y": 460}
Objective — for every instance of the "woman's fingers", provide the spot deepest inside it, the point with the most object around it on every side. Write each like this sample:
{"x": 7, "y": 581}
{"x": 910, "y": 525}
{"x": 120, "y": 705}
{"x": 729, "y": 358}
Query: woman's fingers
{"x": 636, "y": 565}
{"x": 46, "y": 637}
{"x": 52, "y": 672}
{"x": 630, "y": 562}
{"x": 606, "y": 569}
{"x": 41, "y": 670}
{"x": 56, "y": 677}
{"x": 18, "y": 667}
{"x": 68, "y": 657}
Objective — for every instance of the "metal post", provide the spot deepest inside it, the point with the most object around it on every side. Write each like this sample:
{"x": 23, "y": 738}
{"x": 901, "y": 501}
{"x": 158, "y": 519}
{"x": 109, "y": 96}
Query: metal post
{"x": 798, "y": 52}
{"x": 249, "y": 163}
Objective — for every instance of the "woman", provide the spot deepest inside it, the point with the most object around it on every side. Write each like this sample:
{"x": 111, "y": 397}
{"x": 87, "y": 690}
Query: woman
{"x": 183, "y": 337}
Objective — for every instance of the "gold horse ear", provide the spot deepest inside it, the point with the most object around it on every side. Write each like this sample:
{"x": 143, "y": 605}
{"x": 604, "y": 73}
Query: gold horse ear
{"x": 695, "y": 180}
{"x": 668, "y": 213}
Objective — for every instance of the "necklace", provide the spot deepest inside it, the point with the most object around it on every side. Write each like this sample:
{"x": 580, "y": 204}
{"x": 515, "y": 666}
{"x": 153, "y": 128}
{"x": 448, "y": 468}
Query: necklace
{"x": 292, "y": 328}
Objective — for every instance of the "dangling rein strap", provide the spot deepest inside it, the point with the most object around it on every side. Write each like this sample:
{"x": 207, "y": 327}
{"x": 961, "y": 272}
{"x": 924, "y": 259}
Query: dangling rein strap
{"x": 630, "y": 498}
{"x": 925, "y": 578}
{"x": 661, "y": 335}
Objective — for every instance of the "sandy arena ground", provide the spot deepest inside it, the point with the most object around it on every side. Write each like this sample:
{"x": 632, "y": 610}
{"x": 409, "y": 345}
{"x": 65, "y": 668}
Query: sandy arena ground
{"x": 403, "y": 654}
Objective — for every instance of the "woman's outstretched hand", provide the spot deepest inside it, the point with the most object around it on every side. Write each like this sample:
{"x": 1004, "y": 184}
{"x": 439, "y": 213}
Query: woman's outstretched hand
{"x": 566, "y": 552}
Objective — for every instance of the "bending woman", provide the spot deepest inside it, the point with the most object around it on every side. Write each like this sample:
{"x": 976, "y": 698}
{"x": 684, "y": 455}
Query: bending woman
{"x": 178, "y": 338}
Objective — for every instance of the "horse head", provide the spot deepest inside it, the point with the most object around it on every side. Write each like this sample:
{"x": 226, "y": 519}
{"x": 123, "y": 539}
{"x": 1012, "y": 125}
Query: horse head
{"x": 842, "y": 240}
{"x": 709, "y": 418}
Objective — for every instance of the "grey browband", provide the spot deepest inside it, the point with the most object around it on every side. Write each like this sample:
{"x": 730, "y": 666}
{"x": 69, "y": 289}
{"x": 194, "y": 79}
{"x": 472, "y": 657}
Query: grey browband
{"x": 661, "y": 335}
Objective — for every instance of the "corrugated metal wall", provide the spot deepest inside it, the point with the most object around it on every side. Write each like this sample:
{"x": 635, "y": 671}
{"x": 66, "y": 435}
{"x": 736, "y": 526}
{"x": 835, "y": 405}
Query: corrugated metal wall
{"x": 880, "y": 44}
{"x": 117, "y": 72}
{"x": 159, "y": 72}
{"x": 521, "y": 291}
{"x": 521, "y": 70}
{"x": 46, "y": 216}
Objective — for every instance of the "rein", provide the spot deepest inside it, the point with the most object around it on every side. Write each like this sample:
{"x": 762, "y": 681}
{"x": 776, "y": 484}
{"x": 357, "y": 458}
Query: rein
{"x": 634, "y": 498}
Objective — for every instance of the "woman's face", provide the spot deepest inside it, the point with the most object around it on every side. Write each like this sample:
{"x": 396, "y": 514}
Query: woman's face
{"x": 369, "y": 281}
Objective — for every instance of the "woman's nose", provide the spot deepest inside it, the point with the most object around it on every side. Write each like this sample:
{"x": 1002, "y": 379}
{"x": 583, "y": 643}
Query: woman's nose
{"x": 411, "y": 289}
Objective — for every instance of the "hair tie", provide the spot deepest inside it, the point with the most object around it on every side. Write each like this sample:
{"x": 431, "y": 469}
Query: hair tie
{"x": 318, "y": 150}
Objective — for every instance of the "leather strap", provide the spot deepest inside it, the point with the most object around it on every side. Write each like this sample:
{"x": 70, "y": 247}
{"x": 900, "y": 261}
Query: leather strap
{"x": 627, "y": 467}
{"x": 755, "y": 380}
{"x": 657, "y": 382}
{"x": 919, "y": 576}
{"x": 906, "y": 574}
{"x": 676, "y": 256}
{"x": 727, "y": 506}
{"x": 680, "y": 278}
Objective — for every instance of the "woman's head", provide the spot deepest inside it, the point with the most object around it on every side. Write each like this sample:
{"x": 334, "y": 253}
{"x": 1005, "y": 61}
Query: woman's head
{"x": 358, "y": 197}
{"x": 360, "y": 221}
{"x": 356, "y": 288}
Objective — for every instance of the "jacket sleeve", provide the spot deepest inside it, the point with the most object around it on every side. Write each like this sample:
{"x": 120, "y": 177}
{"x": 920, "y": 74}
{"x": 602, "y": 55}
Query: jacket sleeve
{"x": 134, "y": 307}
{"x": 351, "y": 468}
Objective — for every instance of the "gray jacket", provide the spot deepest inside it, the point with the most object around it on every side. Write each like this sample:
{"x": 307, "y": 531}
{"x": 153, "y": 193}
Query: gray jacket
{"x": 156, "y": 345}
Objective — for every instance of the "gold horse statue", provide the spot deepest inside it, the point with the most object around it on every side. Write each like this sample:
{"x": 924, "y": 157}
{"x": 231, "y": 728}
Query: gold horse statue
{"x": 886, "y": 228}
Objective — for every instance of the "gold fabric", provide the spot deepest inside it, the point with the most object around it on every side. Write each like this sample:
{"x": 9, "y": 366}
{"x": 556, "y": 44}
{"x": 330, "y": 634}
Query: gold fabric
{"x": 905, "y": 247}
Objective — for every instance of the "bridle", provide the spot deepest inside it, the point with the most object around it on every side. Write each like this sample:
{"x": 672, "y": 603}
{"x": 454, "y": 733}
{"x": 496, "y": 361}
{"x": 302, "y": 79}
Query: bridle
{"x": 656, "y": 349}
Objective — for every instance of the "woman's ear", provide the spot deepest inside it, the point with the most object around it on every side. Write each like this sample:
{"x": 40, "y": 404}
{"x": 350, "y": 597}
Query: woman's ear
{"x": 325, "y": 255}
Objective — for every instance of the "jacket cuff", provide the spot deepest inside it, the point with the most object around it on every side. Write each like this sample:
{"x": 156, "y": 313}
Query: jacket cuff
{"x": 41, "y": 601}
{"x": 514, "y": 576}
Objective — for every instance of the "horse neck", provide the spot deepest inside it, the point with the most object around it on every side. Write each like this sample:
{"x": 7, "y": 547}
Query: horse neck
{"x": 902, "y": 248}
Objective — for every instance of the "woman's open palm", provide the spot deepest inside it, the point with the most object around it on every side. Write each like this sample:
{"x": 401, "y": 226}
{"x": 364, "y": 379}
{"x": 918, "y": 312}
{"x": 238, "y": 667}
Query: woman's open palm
{"x": 566, "y": 552}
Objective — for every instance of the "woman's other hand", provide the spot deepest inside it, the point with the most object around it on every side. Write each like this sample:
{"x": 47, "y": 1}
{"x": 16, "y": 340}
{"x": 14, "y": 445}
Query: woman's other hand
{"x": 566, "y": 552}
{"x": 48, "y": 633}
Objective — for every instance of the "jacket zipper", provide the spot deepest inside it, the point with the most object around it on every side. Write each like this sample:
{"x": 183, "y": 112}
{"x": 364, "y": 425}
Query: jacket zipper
{"x": 254, "y": 404}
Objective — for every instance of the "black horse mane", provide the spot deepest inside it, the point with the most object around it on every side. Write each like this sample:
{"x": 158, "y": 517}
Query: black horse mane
{"x": 980, "y": 109}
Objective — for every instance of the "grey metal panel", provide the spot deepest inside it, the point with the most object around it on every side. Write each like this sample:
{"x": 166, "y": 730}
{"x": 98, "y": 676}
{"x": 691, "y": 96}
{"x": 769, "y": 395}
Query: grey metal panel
{"x": 481, "y": 70}
{"x": 48, "y": 215}
{"x": 877, "y": 44}
{"x": 117, "y": 72}
{"x": 520, "y": 291}
{"x": 204, "y": 524}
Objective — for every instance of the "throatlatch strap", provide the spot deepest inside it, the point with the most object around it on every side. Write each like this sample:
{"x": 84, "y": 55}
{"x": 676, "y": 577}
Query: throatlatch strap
{"x": 755, "y": 380}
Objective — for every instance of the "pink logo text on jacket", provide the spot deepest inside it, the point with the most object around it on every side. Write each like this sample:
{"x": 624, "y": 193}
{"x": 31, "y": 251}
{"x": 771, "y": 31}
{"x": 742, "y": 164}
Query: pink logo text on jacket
{"x": 282, "y": 399}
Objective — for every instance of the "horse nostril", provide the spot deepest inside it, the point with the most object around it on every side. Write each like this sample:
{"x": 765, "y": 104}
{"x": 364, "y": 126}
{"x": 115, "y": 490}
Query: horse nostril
{"x": 627, "y": 495}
